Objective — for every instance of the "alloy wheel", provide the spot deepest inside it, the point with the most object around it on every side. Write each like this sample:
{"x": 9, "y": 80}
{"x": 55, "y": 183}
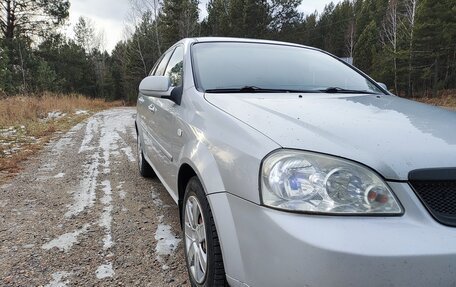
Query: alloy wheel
{"x": 195, "y": 239}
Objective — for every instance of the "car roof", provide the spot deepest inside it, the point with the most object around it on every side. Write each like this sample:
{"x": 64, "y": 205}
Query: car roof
{"x": 244, "y": 40}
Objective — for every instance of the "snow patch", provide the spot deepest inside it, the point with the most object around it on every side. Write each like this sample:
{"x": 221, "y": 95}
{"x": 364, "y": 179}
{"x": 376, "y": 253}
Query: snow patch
{"x": 155, "y": 198}
{"x": 76, "y": 128}
{"x": 128, "y": 152}
{"x": 54, "y": 115}
{"x": 106, "y": 216}
{"x": 167, "y": 242}
{"x": 81, "y": 112}
{"x": 66, "y": 241}
{"x": 60, "y": 175}
{"x": 122, "y": 193}
{"x": 104, "y": 271}
{"x": 85, "y": 195}
{"x": 91, "y": 129}
{"x": 57, "y": 278}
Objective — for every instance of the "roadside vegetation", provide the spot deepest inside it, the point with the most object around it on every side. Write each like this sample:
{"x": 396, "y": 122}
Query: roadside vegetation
{"x": 29, "y": 122}
{"x": 445, "y": 99}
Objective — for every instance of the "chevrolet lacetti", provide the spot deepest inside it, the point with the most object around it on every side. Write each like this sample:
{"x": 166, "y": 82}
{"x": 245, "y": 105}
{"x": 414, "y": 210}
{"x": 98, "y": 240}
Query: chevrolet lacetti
{"x": 292, "y": 168}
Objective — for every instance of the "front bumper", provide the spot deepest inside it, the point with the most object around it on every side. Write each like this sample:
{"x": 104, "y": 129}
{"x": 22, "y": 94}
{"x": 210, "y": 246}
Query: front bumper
{"x": 266, "y": 247}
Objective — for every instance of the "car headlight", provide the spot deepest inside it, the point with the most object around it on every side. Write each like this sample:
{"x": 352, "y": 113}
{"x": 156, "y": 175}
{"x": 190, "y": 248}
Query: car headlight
{"x": 310, "y": 182}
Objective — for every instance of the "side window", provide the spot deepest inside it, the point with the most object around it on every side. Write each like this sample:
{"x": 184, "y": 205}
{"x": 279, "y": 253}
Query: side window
{"x": 162, "y": 65}
{"x": 175, "y": 67}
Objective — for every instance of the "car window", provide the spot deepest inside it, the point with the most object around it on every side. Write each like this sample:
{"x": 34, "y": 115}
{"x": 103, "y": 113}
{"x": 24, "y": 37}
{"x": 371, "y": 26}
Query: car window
{"x": 174, "y": 69}
{"x": 159, "y": 71}
{"x": 272, "y": 67}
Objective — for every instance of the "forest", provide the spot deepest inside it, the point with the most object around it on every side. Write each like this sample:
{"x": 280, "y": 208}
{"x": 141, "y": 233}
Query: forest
{"x": 410, "y": 45}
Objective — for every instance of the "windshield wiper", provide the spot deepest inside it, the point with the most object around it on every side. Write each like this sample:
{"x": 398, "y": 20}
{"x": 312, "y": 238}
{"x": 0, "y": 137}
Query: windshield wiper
{"x": 335, "y": 90}
{"x": 255, "y": 89}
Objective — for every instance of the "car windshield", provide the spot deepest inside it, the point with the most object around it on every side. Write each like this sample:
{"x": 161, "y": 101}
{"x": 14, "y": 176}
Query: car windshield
{"x": 256, "y": 67}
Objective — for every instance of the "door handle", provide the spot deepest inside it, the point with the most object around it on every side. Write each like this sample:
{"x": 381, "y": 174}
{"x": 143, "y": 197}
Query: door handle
{"x": 141, "y": 100}
{"x": 152, "y": 108}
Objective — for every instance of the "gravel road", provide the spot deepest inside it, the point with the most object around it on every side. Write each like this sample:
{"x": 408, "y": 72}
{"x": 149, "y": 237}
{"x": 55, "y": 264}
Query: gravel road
{"x": 80, "y": 214}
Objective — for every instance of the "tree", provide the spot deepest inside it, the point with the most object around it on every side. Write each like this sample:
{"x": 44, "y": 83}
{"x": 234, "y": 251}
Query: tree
{"x": 31, "y": 17}
{"x": 365, "y": 50}
{"x": 256, "y": 19}
{"x": 408, "y": 25}
{"x": 218, "y": 21}
{"x": 84, "y": 34}
{"x": 435, "y": 35}
{"x": 5, "y": 74}
{"x": 152, "y": 7}
{"x": 239, "y": 18}
{"x": 179, "y": 19}
{"x": 390, "y": 35}
{"x": 284, "y": 13}
{"x": 75, "y": 70}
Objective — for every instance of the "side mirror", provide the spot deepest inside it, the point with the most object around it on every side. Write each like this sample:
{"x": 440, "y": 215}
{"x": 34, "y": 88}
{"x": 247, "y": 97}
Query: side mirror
{"x": 383, "y": 86}
{"x": 155, "y": 86}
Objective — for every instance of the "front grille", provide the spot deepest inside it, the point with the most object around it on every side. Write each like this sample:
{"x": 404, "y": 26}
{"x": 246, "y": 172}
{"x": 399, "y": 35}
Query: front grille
{"x": 439, "y": 197}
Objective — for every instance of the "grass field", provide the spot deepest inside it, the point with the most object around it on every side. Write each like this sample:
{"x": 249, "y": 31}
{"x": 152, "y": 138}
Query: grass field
{"x": 29, "y": 122}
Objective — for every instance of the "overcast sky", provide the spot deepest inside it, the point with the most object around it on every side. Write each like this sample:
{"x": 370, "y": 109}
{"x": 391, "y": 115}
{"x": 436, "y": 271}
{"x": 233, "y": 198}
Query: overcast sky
{"x": 110, "y": 16}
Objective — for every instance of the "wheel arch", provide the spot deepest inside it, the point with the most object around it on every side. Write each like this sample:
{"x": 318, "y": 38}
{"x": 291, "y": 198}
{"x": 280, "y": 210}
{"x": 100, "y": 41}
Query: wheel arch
{"x": 197, "y": 160}
{"x": 186, "y": 172}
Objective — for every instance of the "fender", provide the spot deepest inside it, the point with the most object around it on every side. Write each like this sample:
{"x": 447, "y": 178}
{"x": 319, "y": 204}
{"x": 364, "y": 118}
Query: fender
{"x": 196, "y": 154}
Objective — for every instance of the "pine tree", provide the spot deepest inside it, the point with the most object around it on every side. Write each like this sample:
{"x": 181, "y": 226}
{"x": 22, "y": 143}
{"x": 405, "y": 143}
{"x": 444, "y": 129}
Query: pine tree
{"x": 365, "y": 49}
{"x": 218, "y": 21}
{"x": 284, "y": 19}
{"x": 434, "y": 47}
{"x": 84, "y": 34}
{"x": 179, "y": 19}
{"x": 5, "y": 74}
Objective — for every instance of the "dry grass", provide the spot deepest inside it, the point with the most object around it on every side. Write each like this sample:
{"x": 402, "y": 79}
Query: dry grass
{"x": 26, "y": 125}
{"x": 446, "y": 98}
{"x": 21, "y": 109}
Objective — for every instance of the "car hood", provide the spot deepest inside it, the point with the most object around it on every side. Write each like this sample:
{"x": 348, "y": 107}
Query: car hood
{"x": 387, "y": 133}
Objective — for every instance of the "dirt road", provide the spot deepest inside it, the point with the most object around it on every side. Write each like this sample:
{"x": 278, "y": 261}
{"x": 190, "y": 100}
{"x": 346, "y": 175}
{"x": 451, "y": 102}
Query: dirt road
{"x": 80, "y": 214}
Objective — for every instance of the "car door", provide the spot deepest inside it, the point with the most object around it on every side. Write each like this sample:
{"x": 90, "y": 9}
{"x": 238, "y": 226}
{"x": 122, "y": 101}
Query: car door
{"x": 168, "y": 132}
{"x": 148, "y": 118}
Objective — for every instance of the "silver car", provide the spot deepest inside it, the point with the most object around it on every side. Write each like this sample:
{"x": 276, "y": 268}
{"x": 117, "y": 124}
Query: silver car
{"x": 293, "y": 168}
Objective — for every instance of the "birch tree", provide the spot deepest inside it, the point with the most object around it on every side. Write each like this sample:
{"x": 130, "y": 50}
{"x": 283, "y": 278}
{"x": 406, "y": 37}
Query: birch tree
{"x": 140, "y": 7}
{"x": 390, "y": 34}
{"x": 409, "y": 27}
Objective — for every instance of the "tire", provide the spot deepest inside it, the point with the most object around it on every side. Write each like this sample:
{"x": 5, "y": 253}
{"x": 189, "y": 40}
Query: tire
{"x": 195, "y": 203}
{"x": 145, "y": 170}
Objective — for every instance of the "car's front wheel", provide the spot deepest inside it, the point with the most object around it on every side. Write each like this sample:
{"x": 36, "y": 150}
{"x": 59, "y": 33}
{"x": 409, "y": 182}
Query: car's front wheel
{"x": 202, "y": 248}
